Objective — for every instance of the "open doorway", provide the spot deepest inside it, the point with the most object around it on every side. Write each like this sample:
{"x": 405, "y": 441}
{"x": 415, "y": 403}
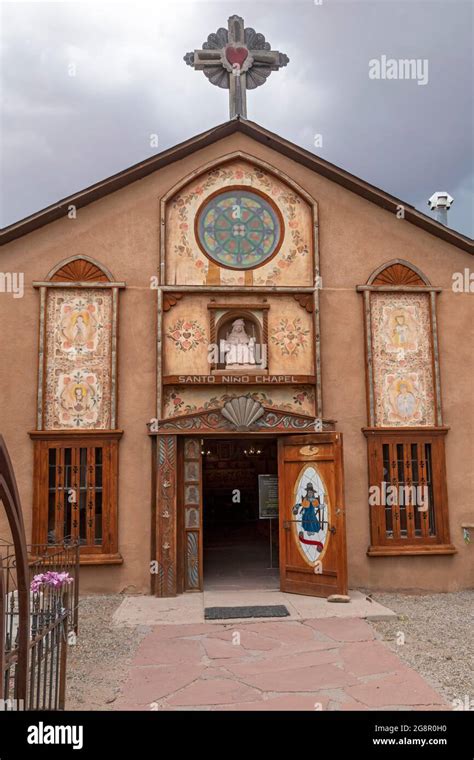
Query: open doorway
{"x": 239, "y": 478}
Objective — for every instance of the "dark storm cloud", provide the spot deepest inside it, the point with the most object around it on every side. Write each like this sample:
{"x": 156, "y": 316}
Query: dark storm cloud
{"x": 87, "y": 85}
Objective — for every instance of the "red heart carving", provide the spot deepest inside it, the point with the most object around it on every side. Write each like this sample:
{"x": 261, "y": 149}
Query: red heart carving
{"x": 236, "y": 55}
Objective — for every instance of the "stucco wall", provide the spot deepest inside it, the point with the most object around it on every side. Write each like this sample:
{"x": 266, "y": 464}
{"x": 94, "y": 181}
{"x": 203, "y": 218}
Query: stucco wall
{"x": 122, "y": 232}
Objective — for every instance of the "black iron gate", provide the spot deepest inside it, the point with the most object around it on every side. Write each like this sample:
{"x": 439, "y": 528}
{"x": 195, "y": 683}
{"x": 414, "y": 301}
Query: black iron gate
{"x": 39, "y": 592}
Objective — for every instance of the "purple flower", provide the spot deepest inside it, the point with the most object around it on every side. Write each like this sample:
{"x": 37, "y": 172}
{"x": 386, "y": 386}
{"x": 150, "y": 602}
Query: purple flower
{"x": 51, "y": 578}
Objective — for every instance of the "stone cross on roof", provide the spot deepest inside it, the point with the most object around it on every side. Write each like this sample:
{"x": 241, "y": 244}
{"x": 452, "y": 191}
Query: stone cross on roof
{"x": 236, "y": 59}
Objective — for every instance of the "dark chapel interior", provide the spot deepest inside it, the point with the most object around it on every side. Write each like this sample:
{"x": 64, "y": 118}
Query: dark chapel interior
{"x": 237, "y": 551}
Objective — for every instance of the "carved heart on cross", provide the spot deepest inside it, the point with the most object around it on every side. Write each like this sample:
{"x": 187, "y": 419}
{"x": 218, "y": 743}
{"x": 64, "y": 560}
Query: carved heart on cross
{"x": 236, "y": 55}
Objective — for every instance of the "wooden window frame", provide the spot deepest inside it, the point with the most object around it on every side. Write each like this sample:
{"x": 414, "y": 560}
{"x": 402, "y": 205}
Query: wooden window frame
{"x": 107, "y": 552}
{"x": 383, "y": 544}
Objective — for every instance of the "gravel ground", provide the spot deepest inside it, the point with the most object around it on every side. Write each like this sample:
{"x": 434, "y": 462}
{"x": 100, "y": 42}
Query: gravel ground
{"x": 438, "y": 638}
{"x": 98, "y": 664}
{"x": 437, "y": 630}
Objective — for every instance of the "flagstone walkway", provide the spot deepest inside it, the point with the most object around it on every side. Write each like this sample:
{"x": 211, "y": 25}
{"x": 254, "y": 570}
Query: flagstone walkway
{"x": 314, "y": 664}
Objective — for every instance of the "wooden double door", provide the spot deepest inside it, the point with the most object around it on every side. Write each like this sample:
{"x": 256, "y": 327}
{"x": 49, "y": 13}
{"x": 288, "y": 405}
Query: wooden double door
{"x": 311, "y": 515}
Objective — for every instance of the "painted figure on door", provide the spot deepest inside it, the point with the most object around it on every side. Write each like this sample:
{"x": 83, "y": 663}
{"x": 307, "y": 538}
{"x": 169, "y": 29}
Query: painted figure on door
{"x": 310, "y": 511}
{"x": 311, "y": 514}
{"x": 310, "y": 523}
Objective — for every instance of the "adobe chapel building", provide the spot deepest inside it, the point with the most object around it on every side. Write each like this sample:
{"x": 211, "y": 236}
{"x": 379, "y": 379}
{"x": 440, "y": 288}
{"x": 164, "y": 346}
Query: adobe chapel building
{"x": 232, "y": 330}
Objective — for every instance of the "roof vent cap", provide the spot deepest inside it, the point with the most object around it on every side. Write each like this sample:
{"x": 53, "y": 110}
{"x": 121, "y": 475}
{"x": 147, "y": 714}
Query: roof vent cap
{"x": 440, "y": 203}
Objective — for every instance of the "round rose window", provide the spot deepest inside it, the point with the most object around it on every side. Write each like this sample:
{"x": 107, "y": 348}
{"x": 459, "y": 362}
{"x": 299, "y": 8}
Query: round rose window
{"x": 239, "y": 228}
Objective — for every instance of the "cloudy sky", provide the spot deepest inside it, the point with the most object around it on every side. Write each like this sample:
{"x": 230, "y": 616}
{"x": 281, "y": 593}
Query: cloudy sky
{"x": 86, "y": 85}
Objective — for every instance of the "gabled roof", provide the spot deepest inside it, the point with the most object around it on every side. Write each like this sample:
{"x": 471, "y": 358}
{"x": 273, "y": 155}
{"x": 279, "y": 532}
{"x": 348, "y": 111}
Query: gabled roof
{"x": 261, "y": 135}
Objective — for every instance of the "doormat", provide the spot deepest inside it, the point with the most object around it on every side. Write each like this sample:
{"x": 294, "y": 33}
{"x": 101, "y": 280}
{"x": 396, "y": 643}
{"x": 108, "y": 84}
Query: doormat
{"x": 223, "y": 613}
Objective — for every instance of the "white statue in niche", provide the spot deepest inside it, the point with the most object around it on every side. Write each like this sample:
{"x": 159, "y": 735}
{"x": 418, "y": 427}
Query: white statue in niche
{"x": 238, "y": 347}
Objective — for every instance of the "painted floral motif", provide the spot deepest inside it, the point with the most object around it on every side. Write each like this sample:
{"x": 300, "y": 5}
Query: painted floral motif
{"x": 186, "y": 334}
{"x": 184, "y": 207}
{"x": 176, "y": 403}
{"x": 299, "y": 399}
{"x": 402, "y": 359}
{"x": 299, "y": 247}
{"x": 290, "y": 336}
{"x": 78, "y": 359}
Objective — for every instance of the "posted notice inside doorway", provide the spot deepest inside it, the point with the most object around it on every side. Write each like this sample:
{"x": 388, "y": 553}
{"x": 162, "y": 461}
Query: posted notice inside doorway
{"x": 267, "y": 496}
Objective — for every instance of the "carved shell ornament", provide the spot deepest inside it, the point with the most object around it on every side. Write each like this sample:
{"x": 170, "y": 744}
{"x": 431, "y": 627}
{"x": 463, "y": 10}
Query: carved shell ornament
{"x": 242, "y": 412}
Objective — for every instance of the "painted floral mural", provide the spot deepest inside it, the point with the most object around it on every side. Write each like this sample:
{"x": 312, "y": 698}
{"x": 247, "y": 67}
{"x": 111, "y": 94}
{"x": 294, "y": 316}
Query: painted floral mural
{"x": 182, "y": 400}
{"x": 78, "y": 359}
{"x": 402, "y": 359}
{"x": 303, "y": 397}
{"x": 187, "y": 264}
{"x": 290, "y": 336}
{"x": 186, "y": 334}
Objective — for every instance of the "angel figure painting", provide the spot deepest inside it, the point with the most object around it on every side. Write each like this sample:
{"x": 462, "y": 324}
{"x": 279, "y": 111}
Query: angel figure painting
{"x": 79, "y": 327}
{"x": 79, "y": 399}
{"x": 400, "y": 330}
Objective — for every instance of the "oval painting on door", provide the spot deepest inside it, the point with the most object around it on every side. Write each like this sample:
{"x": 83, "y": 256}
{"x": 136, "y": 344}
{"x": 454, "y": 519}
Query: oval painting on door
{"x": 311, "y": 514}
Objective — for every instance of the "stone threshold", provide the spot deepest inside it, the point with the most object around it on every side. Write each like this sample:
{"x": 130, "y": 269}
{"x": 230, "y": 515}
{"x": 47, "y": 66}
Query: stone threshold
{"x": 189, "y": 608}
